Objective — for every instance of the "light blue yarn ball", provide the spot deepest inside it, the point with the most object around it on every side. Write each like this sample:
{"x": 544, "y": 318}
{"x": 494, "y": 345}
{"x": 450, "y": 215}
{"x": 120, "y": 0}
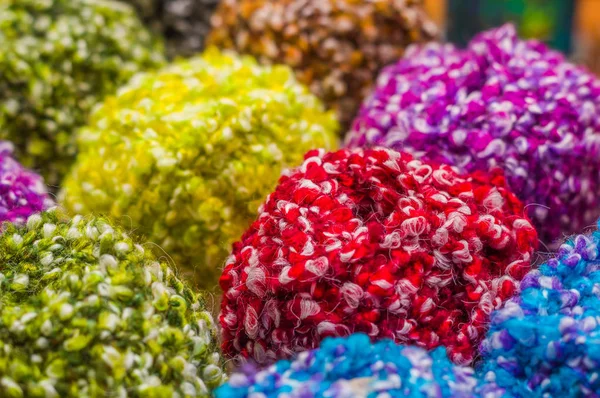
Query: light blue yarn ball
{"x": 546, "y": 341}
{"x": 354, "y": 367}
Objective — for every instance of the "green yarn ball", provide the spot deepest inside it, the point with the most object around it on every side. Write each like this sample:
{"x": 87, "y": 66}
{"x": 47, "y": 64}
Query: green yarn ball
{"x": 87, "y": 312}
{"x": 58, "y": 58}
{"x": 186, "y": 155}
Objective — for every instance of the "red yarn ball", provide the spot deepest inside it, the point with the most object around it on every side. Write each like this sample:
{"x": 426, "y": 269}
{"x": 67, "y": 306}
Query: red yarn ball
{"x": 378, "y": 242}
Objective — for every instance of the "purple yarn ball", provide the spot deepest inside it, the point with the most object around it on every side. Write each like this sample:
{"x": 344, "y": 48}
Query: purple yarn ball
{"x": 501, "y": 102}
{"x": 22, "y": 192}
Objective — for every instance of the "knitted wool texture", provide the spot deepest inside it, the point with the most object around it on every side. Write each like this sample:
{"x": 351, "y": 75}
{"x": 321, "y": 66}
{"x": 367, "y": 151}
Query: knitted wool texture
{"x": 22, "y": 192}
{"x": 374, "y": 241}
{"x": 355, "y": 367}
{"x": 186, "y": 155}
{"x": 87, "y": 312}
{"x": 337, "y": 47}
{"x": 58, "y": 58}
{"x": 183, "y": 23}
{"x": 500, "y": 102}
{"x": 546, "y": 341}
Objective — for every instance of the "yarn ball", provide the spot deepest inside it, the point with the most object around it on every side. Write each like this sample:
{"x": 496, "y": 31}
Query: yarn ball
{"x": 378, "y": 242}
{"x": 502, "y": 102}
{"x": 186, "y": 155}
{"x": 546, "y": 341}
{"x": 355, "y": 367}
{"x": 87, "y": 312}
{"x": 57, "y": 60}
{"x": 336, "y": 47}
{"x": 183, "y": 23}
{"x": 22, "y": 192}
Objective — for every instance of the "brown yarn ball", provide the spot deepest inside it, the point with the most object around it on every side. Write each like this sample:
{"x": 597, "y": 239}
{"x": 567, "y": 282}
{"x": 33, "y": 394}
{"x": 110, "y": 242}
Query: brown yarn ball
{"x": 336, "y": 47}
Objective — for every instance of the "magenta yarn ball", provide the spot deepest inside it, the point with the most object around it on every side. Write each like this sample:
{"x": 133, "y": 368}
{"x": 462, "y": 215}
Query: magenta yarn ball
{"x": 501, "y": 102}
{"x": 22, "y": 192}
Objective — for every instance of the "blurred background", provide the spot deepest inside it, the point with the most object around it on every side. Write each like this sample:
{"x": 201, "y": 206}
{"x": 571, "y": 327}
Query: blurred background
{"x": 572, "y": 26}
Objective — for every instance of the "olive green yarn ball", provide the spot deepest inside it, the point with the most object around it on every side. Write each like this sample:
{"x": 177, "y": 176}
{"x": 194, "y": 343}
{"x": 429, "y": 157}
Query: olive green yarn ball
{"x": 87, "y": 312}
{"x": 186, "y": 155}
{"x": 58, "y": 58}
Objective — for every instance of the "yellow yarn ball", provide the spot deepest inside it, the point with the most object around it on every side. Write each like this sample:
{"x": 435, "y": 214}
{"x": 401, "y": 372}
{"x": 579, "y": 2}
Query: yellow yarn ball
{"x": 185, "y": 155}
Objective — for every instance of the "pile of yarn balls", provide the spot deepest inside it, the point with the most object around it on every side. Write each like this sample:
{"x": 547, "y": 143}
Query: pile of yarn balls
{"x": 336, "y": 47}
{"x": 202, "y": 141}
{"x": 378, "y": 242}
{"x": 501, "y": 102}
{"x": 403, "y": 265}
{"x": 58, "y": 58}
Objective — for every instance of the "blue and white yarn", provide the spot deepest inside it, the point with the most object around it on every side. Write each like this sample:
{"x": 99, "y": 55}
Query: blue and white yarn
{"x": 546, "y": 341}
{"x": 354, "y": 367}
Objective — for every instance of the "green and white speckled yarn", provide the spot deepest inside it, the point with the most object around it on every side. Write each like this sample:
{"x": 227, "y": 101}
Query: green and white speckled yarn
{"x": 58, "y": 58}
{"x": 87, "y": 312}
{"x": 185, "y": 156}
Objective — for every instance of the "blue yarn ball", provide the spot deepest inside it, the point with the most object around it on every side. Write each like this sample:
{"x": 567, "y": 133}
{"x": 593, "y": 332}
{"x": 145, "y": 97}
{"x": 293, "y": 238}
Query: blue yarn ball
{"x": 353, "y": 366}
{"x": 546, "y": 341}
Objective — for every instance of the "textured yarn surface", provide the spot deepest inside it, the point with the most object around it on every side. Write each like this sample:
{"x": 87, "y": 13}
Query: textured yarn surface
{"x": 22, "y": 192}
{"x": 87, "y": 312}
{"x": 355, "y": 367}
{"x": 500, "y": 102}
{"x": 546, "y": 341}
{"x": 374, "y": 241}
{"x": 335, "y": 46}
{"x": 58, "y": 58}
{"x": 186, "y": 155}
{"x": 183, "y": 23}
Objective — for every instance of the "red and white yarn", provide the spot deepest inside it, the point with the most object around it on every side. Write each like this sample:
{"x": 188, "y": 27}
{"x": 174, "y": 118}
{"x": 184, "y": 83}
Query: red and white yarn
{"x": 378, "y": 242}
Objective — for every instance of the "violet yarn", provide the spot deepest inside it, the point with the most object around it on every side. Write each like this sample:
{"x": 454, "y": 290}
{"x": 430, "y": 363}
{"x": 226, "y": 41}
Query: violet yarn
{"x": 22, "y": 192}
{"x": 500, "y": 102}
{"x": 545, "y": 342}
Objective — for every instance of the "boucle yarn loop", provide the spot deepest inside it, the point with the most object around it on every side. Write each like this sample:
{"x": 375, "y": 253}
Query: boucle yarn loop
{"x": 188, "y": 153}
{"x": 22, "y": 192}
{"x": 500, "y": 102}
{"x": 355, "y": 367}
{"x": 87, "y": 312}
{"x": 336, "y": 47}
{"x": 58, "y": 58}
{"x": 378, "y": 242}
{"x": 545, "y": 342}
